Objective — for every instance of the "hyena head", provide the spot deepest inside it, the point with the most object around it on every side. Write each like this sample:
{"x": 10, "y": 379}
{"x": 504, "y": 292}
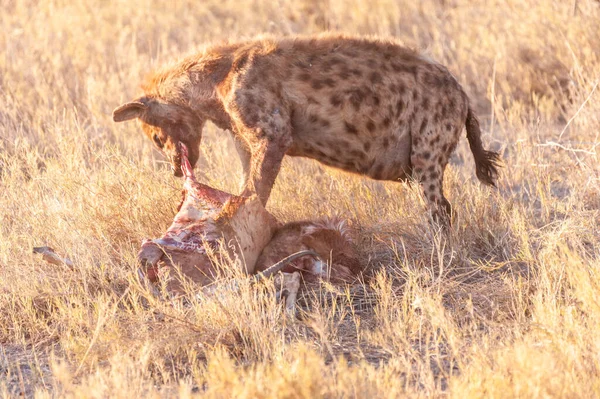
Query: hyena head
{"x": 166, "y": 124}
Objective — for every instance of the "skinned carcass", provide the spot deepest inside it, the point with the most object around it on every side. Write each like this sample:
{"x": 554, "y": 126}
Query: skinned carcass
{"x": 209, "y": 221}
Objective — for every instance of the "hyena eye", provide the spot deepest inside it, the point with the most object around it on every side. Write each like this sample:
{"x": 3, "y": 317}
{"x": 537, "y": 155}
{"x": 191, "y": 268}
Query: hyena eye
{"x": 157, "y": 141}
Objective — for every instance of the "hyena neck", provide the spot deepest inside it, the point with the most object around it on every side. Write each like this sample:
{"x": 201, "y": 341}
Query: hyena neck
{"x": 215, "y": 112}
{"x": 205, "y": 80}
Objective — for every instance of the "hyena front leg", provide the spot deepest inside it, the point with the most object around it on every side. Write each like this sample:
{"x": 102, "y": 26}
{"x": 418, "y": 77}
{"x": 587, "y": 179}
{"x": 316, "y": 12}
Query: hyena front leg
{"x": 269, "y": 138}
{"x": 243, "y": 150}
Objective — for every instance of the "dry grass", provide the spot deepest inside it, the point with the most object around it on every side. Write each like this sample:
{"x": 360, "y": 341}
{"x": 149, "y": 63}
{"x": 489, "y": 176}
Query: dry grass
{"x": 506, "y": 307}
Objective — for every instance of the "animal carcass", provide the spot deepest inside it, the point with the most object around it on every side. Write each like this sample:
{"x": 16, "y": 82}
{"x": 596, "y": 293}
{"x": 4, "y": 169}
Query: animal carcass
{"x": 209, "y": 221}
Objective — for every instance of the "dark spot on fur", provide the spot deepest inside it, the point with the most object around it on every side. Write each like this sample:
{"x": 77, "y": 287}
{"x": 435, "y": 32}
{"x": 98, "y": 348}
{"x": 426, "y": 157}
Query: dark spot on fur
{"x": 344, "y": 73}
{"x": 302, "y": 64}
{"x": 304, "y": 76}
{"x": 335, "y": 100}
{"x": 376, "y": 101}
{"x": 356, "y": 97}
{"x": 375, "y": 77}
{"x": 313, "y": 118}
{"x": 325, "y": 123}
{"x": 399, "y": 107}
{"x": 423, "y": 126}
{"x": 415, "y": 94}
{"x": 451, "y": 103}
{"x": 407, "y": 55}
{"x": 437, "y": 79}
{"x": 386, "y": 142}
{"x": 319, "y": 153}
{"x": 426, "y": 155}
{"x": 240, "y": 62}
{"x": 401, "y": 89}
{"x": 432, "y": 197}
{"x": 425, "y": 104}
{"x": 350, "y": 128}
{"x": 329, "y": 82}
{"x": 317, "y": 84}
{"x": 356, "y": 72}
{"x": 367, "y": 146}
{"x": 378, "y": 172}
{"x": 348, "y": 165}
{"x": 386, "y": 122}
{"x": 370, "y": 126}
{"x": 432, "y": 187}
{"x": 433, "y": 175}
{"x": 410, "y": 69}
{"x": 251, "y": 117}
{"x": 260, "y": 133}
{"x": 444, "y": 110}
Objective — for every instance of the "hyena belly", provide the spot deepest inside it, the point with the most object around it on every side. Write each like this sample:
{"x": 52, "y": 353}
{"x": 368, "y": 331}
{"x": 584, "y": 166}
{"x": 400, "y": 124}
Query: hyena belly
{"x": 367, "y": 144}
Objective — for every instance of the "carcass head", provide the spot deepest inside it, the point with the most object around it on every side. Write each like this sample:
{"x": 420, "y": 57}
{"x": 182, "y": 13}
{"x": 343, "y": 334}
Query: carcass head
{"x": 331, "y": 239}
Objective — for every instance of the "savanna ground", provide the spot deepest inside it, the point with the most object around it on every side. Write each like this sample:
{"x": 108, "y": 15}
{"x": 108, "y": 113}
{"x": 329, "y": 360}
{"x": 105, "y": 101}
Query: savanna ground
{"x": 506, "y": 306}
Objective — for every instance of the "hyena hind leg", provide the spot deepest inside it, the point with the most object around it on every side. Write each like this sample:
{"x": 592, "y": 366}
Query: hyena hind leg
{"x": 431, "y": 179}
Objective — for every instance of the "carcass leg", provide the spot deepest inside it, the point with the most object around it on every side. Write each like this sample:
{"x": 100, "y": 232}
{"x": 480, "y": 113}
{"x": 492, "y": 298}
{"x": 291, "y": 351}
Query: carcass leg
{"x": 287, "y": 285}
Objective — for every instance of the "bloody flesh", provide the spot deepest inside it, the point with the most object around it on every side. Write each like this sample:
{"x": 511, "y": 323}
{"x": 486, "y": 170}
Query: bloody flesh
{"x": 206, "y": 219}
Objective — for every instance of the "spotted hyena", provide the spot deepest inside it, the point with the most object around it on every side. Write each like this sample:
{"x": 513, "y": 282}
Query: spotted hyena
{"x": 364, "y": 105}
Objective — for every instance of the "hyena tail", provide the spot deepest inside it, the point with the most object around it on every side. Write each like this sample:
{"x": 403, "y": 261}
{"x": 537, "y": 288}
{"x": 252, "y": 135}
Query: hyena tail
{"x": 486, "y": 162}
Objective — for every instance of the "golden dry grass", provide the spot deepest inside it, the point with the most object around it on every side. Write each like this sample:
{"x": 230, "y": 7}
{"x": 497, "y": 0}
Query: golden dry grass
{"x": 506, "y": 307}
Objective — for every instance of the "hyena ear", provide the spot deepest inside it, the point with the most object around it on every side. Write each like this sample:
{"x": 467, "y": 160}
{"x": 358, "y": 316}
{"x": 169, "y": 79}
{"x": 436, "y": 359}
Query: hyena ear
{"x": 130, "y": 110}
